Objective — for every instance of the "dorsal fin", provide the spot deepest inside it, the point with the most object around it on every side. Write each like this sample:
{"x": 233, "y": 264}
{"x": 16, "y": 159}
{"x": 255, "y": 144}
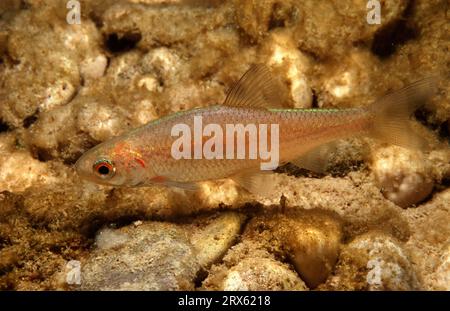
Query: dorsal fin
{"x": 258, "y": 89}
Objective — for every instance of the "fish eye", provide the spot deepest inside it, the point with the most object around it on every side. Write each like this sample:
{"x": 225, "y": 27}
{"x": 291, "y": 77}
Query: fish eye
{"x": 104, "y": 168}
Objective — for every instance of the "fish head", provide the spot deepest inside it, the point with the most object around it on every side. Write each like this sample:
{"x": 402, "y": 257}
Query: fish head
{"x": 112, "y": 163}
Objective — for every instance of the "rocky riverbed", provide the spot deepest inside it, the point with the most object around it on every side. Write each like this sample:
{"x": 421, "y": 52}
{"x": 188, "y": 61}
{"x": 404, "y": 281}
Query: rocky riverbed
{"x": 377, "y": 220}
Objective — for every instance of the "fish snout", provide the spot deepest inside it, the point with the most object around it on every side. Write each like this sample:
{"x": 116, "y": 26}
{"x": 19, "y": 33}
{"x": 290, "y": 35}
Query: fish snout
{"x": 82, "y": 167}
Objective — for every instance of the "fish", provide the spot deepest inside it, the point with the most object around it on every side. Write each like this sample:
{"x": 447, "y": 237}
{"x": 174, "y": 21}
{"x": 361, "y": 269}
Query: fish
{"x": 145, "y": 156}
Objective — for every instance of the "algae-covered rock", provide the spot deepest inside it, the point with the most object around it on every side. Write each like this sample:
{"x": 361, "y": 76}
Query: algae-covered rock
{"x": 152, "y": 256}
{"x": 310, "y": 240}
{"x": 403, "y": 176}
{"x": 156, "y": 255}
{"x": 212, "y": 237}
{"x": 374, "y": 261}
{"x": 247, "y": 266}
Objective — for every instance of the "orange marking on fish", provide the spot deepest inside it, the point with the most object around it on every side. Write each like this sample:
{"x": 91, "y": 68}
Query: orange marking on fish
{"x": 140, "y": 161}
{"x": 158, "y": 179}
{"x": 120, "y": 147}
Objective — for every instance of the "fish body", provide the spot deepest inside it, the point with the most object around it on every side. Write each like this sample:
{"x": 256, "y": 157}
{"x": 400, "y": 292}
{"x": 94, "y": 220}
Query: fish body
{"x": 145, "y": 156}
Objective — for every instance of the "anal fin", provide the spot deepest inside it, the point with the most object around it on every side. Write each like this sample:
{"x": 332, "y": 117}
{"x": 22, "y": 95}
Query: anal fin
{"x": 189, "y": 186}
{"x": 256, "y": 182}
{"x": 317, "y": 159}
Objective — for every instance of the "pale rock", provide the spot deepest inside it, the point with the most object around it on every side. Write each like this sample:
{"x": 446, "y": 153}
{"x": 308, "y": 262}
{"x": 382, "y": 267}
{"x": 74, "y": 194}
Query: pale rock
{"x": 261, "y": 274}
{"x": 101, "y": 122}
{"x": 213, "y": 237}
{"x": 94, "y": 67}
{"x": 285, "y": 53}
{"x": 155, "y": 256}
{"x": 404, "y": 176}
{"x": 382, "y": 262}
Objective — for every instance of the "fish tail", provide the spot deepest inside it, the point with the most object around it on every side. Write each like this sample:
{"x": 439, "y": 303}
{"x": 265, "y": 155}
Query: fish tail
{"x": 391, "y": 114}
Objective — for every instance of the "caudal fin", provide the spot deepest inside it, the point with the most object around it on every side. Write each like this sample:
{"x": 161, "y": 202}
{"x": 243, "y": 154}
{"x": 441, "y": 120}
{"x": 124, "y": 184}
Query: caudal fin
{"x": 391, "y": 114}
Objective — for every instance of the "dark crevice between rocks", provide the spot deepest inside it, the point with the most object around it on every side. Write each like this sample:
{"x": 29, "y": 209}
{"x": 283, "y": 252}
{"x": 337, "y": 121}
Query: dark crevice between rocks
{"x": 293, "y": 170}
{"x": 42, "y": 155}
{"x": 9, "y": 60}
{"x": 387, "y": 39}
{"x": 201, "y": 276}
{"x": 116, "y": 43}
{"x": 4, "y": 126}
{"x": 5, "y": 270}
{"x": 92, "y": 225}
{"x": 4, "y": 242}
{"x": 428, "y": 119}
{"x": 315, "y": 100}
{"x": 25, "y": 5}
{"x": 277, "y": 20}
{"x": 445, "y": 183}
{"x": 339, "y": 169}
{"x": 444, "y": 130}
{"x": 29, "y": 121}
{"x": 96, "y": 19}
{"x": 314, "y": 56}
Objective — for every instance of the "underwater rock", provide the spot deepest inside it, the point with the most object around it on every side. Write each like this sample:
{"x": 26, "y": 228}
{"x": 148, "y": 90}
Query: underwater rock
{"x": 349, "y": 83}
{"x": 328, "y": 30}
{"x": 18, "y": 169}
{"x": 442, "y": 272}
{"x": 404, "y": 176}
{"x": 284, "y": 54}
{"x": 159, "y": 256}
{"x": 213, "y": 236}
{"x": 314, "y": 245}
{"x": 109, "y": 238}
{"x": 428, "y": 244}
{"x": 54, "y": 203}
{"x": 36, "y": 78}
{"x": 247, "y": 266}
{"x": 309, "y": 239}
{"x": 99, "y": 120}
{"x": 94, "y": 67}
{"x": 424, "y": 48}
{"x": 150, "y": 26}
{"x": 374, "y": 261}
{"x": 156, "y": 256}
{"x": 254, "y": 16}
{"x": 260, "y": 274}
